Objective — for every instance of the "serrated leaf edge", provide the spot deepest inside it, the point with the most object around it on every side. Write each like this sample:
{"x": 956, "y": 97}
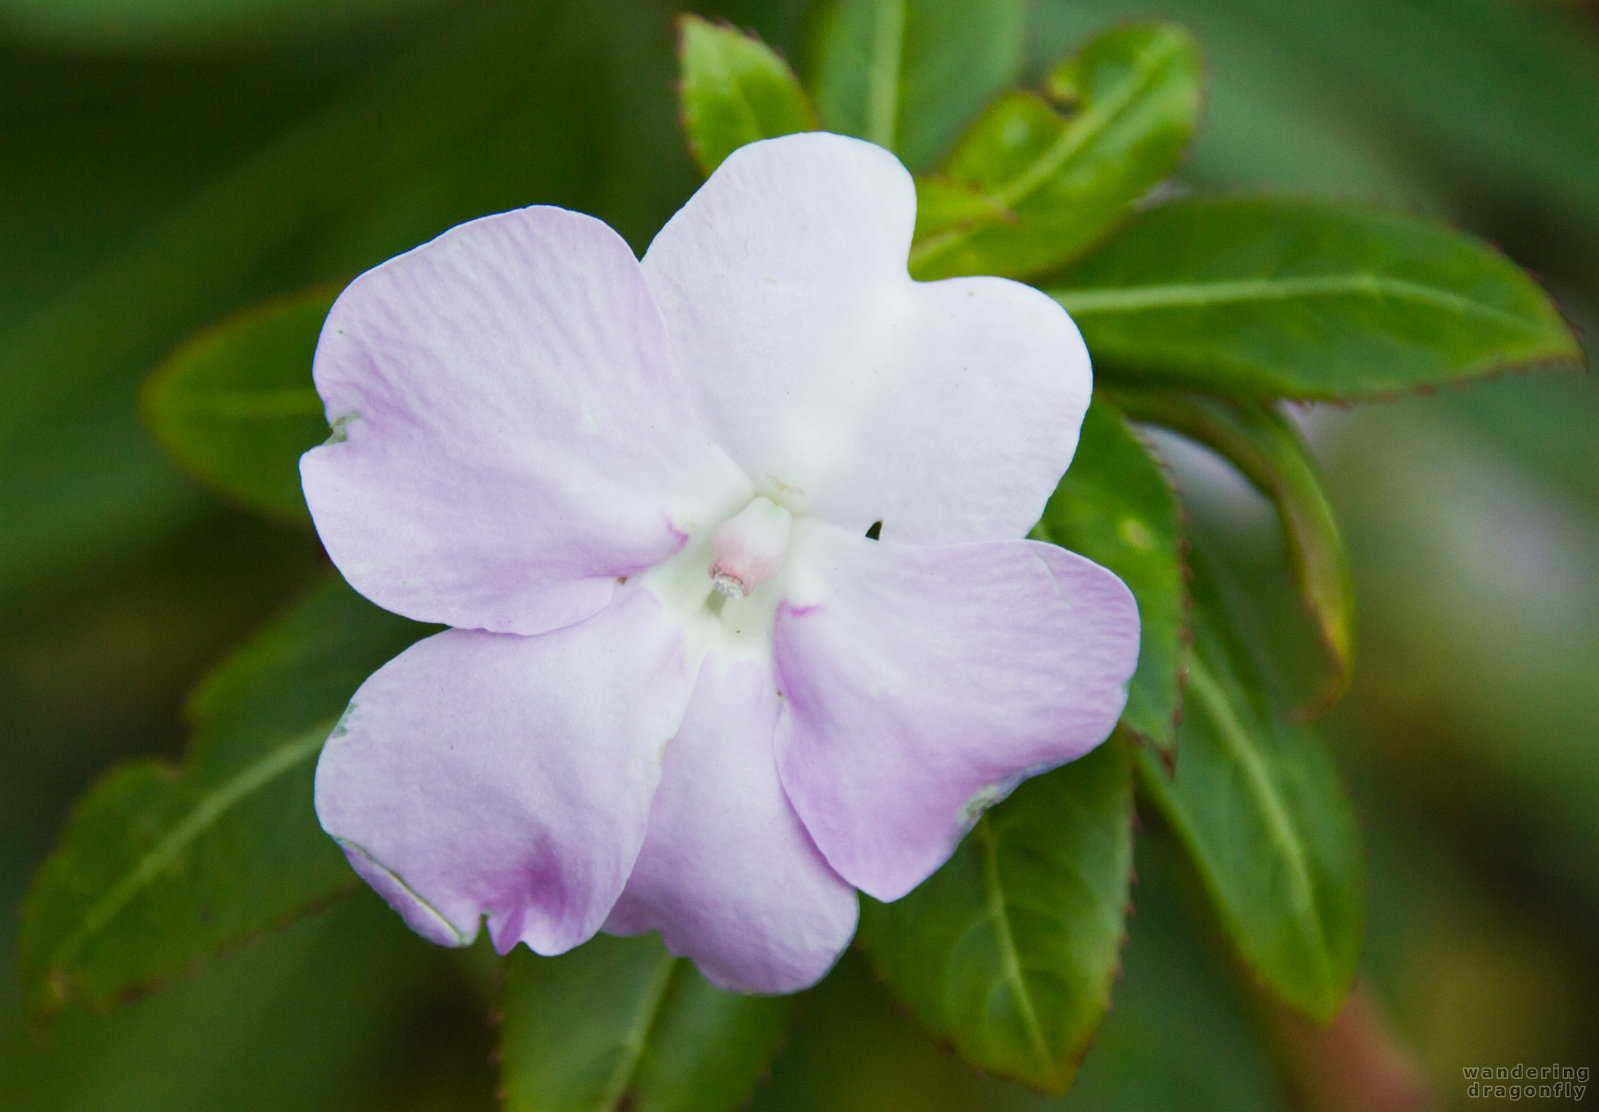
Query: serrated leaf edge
{"x": 148, "y": 867}
{"x": 1203, "y": 685}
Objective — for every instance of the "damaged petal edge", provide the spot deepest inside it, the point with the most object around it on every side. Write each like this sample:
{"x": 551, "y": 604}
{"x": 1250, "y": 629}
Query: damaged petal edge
{"x": 338, "y": 425}
{"x": 342, "y": 726}
{"x": 418, "y": 914}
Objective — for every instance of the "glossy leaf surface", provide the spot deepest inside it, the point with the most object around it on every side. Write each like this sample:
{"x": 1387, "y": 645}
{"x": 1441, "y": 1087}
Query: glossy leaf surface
{"x": 1131, "y": 98}
{"x": 1258, "y": 804}
{"x": 1176, "y": 1040}
{"x": 735, "y": 90}
{"x": 1305, "y": 299}
{"x": 1009, "y": 951}
{"x": 160, "y": 868}
{"x": 1115, "y": 506}
{"x": 236, "y": 406}
{"x": 910, "y": 74}
{"x": 620, "y": 1023}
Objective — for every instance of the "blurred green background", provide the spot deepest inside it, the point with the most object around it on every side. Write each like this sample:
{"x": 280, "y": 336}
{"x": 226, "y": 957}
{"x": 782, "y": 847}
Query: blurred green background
{"x": 164, "y": 162}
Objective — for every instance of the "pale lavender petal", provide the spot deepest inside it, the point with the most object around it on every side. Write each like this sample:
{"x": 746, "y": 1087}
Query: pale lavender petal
{"x": 923, "y": 683}
{"x": 511, "y": 434}
{"x": 483, "y": 774}
{"x": 728, "y": 874}
{"x": 946, "y": 410}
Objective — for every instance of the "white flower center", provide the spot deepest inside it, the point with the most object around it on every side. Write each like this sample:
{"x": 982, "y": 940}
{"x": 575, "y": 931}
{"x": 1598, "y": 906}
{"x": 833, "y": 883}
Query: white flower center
{"x": 749, "y": 547}
{"x": 726, "y": 582}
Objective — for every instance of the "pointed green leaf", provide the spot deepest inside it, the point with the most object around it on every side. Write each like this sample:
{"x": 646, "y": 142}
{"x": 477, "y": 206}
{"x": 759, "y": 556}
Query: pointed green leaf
{"x": 1258, "y": 804}
{"x": 1009, "y": 951}
{"x": 735, "y": 90}
{"x": 235, "y": 405}
{"x": 159, "y": 868}
{"x": 1133, "y": 98}
{"x": 1115, "y": 506}
{"x": 1305, "y": 299}
{"x": 619, "y": 1023}
{"x": 1272, "y": 455}
{"x": 910, "y": 75}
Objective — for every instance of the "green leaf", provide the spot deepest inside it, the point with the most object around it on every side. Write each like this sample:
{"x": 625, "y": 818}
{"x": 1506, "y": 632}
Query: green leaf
{"x": 1346, "y": 87}
{"x": 1009, "y": 951}
{"x": 1133, "y": 94}
{"x": 1181, "y": 1037}
{"x": 1115, "y": 506}
{"x": 160, "y": 867}
{"x": 1271, "y": 454}
{"x": 735, "y": 90}
{"x": 621, "y": 1024}
{"x": 319, "y": 1017}
{"x": 236, "y": 406}
{"x": 1305, "y": 299}
{"x": 910, "y": 75}
{"x": 1258, "y": 804}
{"x": 942, "y": 204}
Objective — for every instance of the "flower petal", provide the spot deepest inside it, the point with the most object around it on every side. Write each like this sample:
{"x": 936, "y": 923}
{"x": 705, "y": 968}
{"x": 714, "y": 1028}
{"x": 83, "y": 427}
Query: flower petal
{"x": 510, "y": 433}
{"x": 728, "y": 874}
{"x": 507, "y": 776}
{"x": 946, "y": 410}
{"x": 922, "y": 684}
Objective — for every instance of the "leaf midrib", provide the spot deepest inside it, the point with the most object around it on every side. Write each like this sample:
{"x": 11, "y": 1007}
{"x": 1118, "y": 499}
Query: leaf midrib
{"x": 883, "y": 76}
{"x": 725, "y": 77}
{"x": 638, "y": 1035}
{"x": 1010, "y": 956}
{"x": 1204, "y": 294}
{"x": 1075, "y": 135}
{"x": 1258, "y": 782}
{"x": 1090, "y": 124}
{"x": 205, "y": 813}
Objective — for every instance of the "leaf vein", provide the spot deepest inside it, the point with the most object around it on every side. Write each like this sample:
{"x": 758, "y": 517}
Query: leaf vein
{"x": 637, "y": 1037}
{"x": 1010, "y": 957}
{"x": 208, "y": 810}
{"x": 1197, "y": 295}
{"x": 1273, "y": 809}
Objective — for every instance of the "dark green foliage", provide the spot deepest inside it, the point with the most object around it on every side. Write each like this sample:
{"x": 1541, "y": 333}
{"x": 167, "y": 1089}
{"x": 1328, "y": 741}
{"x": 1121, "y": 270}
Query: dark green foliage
{"x": 1116, "y": 507}
{"x": 1259, "y": 806}
{"x": 1055, "y": 184}
{"x": 1009, "y": 950}
{"x": 1272, "y": 298}
{"x": 160, "y": 868}
{"x": 235, "y": 405}
{"x": 910, "y": 74}
{"x": 620, "y": 1023}
{"x": 1272, "y": 455}
{"x": 735, "y": 90}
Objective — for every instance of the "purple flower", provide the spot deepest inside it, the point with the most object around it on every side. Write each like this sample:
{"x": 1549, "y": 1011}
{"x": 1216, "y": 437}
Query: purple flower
{"x": 685, "y": 690}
